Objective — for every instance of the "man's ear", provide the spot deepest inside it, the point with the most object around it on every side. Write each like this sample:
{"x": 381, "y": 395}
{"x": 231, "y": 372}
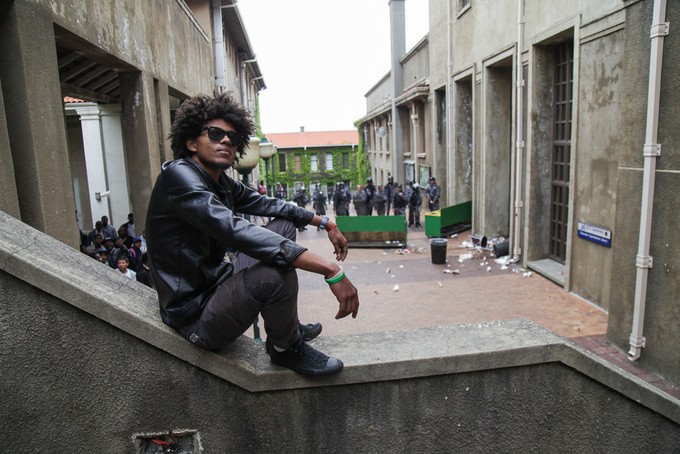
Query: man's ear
{"x": 191, "y": 145}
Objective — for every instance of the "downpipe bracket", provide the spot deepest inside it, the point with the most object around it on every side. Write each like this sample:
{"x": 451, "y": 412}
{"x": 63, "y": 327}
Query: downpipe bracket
{"x": 659, "y": 30}
{"x": 642, "y": 261}
{"x": 651, "y": 150}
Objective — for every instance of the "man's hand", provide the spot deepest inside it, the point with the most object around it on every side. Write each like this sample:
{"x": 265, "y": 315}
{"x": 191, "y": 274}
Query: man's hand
{"x": 348, "y": 298}
{"x": 346, "y": 294}
{"x": 340, "y": 244}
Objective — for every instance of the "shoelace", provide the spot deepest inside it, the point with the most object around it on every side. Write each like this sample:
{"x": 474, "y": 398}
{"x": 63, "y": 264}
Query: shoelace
{"x": 311, "y": 353}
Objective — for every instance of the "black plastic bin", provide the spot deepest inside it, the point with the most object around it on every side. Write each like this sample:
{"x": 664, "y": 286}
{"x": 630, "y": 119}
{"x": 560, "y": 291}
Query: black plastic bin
{"x": 501, "y": 249}
{"x": 438, "y": 250}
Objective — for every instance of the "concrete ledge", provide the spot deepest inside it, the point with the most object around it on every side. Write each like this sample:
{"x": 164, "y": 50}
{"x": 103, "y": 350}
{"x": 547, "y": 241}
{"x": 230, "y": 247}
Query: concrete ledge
{"x": 68, "y": 275}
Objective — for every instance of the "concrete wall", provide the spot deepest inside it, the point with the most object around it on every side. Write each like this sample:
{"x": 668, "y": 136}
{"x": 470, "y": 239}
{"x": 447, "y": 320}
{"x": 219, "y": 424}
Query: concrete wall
{"x": 600, "y": 94}
{"x": 662, "y": 314}
{"x": 379, "y": 94}
{"x": 416, "y": 63}
{"x": 35, "y": 122}
{"x": 9, "y": 202}
{"x": 158, "y": 37}
{"x": 156, "y": 46}
{"x": 611, "y": 68}
{"x": 91, "y": 367}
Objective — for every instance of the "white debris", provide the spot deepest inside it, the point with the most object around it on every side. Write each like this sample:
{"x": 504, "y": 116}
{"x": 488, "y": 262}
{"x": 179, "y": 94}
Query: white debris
{"x": 388, "y": 271}
{"x": 527, "y": 274}
{"x": 449, "y": 271}
{"x": 506, "y": 260}
{"x": 488, "y": 269}
{"x": 464, "y": 257}
{"x": 401, "y": 266}
{"x": 395, "y": 288}
{"x": 440, "y": 284}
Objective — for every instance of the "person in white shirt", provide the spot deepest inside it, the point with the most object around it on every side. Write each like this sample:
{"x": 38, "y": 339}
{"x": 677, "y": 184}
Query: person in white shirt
{"x": 123, "y": 264}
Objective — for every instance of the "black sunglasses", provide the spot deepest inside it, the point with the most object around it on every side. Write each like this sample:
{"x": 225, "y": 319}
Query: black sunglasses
{"x": 217, "y": 134}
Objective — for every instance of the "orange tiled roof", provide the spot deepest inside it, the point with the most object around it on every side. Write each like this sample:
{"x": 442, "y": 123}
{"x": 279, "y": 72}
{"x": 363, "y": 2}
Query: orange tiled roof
{"x": 313, "y": 138}
{"x": 68, "y": 99}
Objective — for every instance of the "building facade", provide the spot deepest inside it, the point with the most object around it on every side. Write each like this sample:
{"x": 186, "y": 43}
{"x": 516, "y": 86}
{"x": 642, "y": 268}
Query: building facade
{"x": 88, "y": 91}
{"x": 323, "y": 158}
{"x": 555, "y": 120}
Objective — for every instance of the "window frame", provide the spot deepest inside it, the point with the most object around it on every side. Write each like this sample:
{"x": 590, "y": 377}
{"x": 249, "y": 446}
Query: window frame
{"x": 463, "y": 7}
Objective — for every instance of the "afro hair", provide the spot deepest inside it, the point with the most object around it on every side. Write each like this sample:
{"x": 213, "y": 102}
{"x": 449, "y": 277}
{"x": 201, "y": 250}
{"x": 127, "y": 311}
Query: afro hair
{"x": 195, "y": 112}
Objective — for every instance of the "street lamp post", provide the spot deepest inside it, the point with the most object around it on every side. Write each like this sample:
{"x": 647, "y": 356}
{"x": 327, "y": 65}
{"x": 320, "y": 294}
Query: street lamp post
{"x": 244, "y": 166}
{"x": 248, "y": 161}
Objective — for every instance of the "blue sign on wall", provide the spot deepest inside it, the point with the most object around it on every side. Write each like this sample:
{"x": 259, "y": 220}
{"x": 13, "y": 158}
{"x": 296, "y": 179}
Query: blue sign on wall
{"x": 595, "y": 234}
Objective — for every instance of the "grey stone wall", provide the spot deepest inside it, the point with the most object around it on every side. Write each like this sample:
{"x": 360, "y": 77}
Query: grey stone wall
{"x": 9, "y": 203}
{"x": 73, "y": 383}
{"x": 157, "y": 36}
{"x": 87, "y": 366}
{"x": 662, "y": 313}
{"x": 157, "y": 46}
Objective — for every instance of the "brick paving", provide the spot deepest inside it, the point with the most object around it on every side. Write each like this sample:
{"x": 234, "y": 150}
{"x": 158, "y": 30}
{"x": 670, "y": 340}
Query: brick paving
{"x": 480, "y": 291}
{"x": 401, "y": 289}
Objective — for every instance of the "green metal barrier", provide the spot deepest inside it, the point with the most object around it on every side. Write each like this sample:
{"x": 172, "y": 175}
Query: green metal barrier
{"x": 448, "y": 220}
{"x": 373, "y": 231}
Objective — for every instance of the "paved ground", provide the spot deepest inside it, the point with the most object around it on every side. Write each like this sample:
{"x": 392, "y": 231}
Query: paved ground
{"x": 401, "y": 289}
{"x": 426, "y": 296}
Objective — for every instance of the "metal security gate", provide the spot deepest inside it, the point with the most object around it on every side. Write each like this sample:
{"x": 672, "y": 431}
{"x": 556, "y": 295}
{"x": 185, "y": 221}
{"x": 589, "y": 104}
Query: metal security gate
{"x": 561, "y": 151}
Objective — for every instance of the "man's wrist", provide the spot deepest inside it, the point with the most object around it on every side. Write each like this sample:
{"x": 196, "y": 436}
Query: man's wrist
{"x": 337, "y": 277}
{"x": 327, "y": 224}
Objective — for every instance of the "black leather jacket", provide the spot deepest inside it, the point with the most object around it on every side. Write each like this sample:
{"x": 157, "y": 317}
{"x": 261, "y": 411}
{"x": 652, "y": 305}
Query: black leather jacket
{"x": 191, "y": 225}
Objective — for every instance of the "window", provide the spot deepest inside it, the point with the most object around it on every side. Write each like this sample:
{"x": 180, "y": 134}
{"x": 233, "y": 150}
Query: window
{"x": 298, "y": 163}
{"x": 463, "y": 5}
{"x": 282, "y": 163}
{"x": 561, "y": 150}
{"x": 329, "y": 161}
{"x": 314, "y": 163}
{"x": 345, "y": 160}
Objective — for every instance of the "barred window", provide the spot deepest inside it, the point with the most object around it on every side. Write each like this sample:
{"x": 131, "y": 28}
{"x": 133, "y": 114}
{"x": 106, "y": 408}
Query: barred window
{"x": 298, "y": 163}
{"x": 314, "y": 163}
{"x": 282, "y": 163}
{"x": 329, "y": 161}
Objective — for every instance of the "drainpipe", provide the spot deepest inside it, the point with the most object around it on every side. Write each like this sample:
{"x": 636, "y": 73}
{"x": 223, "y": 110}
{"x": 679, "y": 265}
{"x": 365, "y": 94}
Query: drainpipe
{"x": 218, "y": 37}
{"x": 449, "y": 107}
{"x": 519, "y": 147}
{"x": 651, "y": 151}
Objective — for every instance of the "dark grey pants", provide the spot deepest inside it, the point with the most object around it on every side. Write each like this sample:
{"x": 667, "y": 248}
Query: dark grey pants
{"x": 254, "y": 289}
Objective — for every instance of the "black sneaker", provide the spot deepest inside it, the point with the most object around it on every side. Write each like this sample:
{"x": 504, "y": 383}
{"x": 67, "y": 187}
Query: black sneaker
{"x": 310, "y": 331}
{"x": 304, "y": 359}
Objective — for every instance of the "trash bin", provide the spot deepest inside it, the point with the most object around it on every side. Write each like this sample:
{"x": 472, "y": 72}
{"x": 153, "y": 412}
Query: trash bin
{"x": 501, "y": 249}
{"x": 438, "y": 250}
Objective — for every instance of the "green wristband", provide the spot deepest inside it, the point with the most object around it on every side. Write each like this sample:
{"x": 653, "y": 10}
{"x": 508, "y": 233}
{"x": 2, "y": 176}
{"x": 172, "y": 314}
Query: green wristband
{"x": 335, "y": 279}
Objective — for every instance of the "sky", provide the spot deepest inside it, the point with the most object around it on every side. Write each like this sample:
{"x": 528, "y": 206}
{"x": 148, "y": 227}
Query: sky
{"x": 320, "y": 57}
